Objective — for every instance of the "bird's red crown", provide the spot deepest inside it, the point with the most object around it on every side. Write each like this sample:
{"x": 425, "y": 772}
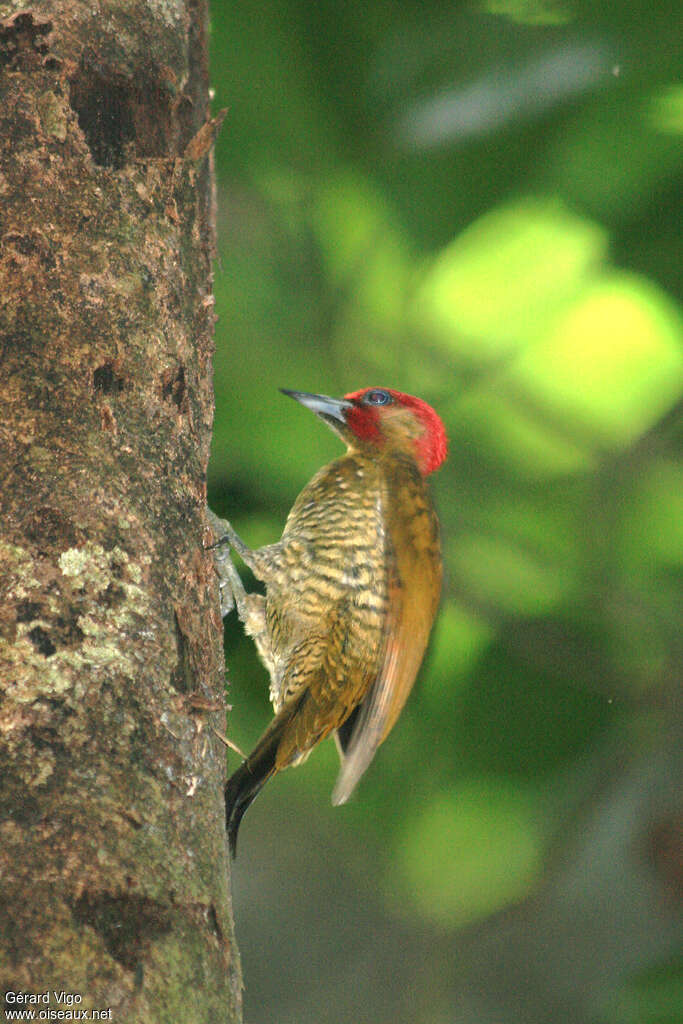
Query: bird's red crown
{"x": 372, "y": 410}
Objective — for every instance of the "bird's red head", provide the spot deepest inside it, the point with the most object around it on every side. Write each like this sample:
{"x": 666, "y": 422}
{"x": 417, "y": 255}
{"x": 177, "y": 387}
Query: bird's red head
{"x": 380, "y": 415}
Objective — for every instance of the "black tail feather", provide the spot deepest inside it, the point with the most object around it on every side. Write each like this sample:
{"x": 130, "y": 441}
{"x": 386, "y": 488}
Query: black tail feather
{"x": 247, "y": 782}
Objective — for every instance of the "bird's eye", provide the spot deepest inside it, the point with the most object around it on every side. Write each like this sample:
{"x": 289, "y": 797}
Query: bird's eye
{"x": 377, "y": 397}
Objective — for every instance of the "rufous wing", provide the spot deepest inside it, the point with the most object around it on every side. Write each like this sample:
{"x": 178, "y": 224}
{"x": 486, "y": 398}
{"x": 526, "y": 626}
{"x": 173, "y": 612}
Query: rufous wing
{"x": 414, "y": 585}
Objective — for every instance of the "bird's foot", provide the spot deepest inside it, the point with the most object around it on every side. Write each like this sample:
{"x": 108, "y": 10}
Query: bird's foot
{"x": 230, "y": 585}
{"x": 250, "y": 607}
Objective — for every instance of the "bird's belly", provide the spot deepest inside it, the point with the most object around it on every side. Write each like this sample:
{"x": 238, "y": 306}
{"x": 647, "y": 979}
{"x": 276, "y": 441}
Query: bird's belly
{"x": 325, "y": 619}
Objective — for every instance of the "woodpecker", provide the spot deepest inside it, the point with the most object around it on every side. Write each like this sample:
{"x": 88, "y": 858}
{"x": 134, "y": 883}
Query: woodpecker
{"x": 352, "y": 589}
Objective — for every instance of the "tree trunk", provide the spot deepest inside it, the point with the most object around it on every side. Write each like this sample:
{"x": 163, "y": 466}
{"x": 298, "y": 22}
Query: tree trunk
{"x": 113, "y": 857}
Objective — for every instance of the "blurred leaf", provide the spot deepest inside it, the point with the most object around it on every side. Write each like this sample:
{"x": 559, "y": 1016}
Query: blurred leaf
{"x": 485, "y": 845}
{"x": 363, "y": 250}
{"x": 519, "y": 438}
{"x": 458, "y": 641}
{"x": 612, "y": 363}
{"x": 652, "y": 530}
{"x": 612, "y": 158}
{"x": 666, "y": 110}
{"x": 532, "y": 12}
{"x": 509, "y": 576}
{"x": 501, "y": 281}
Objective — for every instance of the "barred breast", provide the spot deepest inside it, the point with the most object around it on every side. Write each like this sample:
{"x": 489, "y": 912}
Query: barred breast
{"x": 326, "y": 602}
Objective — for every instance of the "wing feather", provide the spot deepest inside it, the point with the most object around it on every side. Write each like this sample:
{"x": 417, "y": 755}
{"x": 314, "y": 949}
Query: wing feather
{"x": 414, "y": 586}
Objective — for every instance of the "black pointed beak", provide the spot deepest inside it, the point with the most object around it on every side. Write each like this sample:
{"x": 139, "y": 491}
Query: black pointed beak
{"x": 328, "y": 408}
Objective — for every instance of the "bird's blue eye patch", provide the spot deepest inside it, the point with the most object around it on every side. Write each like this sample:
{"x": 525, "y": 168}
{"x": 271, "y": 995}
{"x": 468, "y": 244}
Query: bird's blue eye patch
{"x": 377, "y": 397}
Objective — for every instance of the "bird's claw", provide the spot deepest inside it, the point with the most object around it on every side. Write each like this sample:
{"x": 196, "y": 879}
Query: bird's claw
{"x": 227, "y": 598}
{"x": 228, "y": 577}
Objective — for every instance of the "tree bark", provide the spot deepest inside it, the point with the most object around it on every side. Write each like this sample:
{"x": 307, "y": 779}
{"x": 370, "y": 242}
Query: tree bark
{"x": 114, "y": 874}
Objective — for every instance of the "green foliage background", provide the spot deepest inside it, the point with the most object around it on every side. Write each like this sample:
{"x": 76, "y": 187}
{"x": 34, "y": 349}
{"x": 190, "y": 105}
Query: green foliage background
{"x": 477, "y": 203}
